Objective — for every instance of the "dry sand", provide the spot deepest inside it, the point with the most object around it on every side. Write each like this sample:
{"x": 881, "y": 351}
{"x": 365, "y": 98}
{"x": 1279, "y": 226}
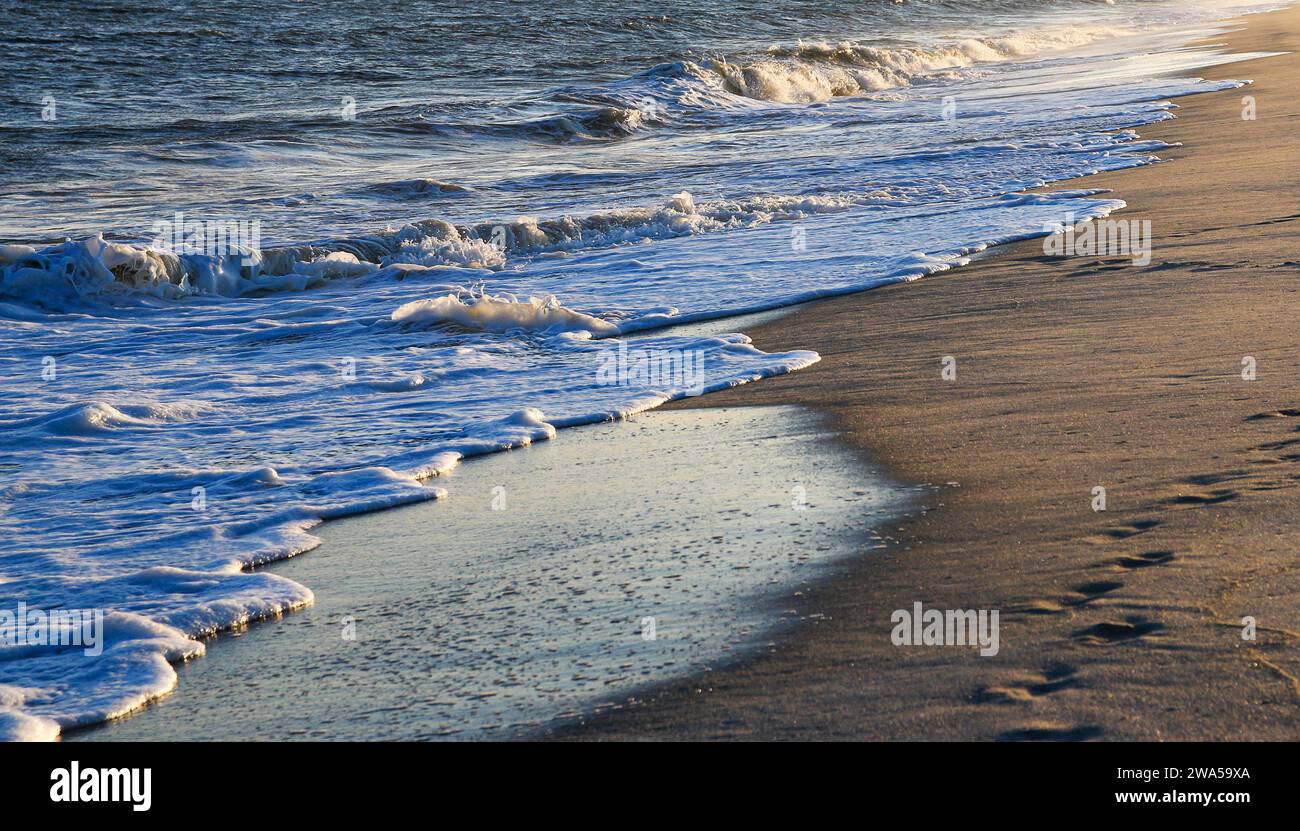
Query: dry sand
{"x": 1071, "y": 373}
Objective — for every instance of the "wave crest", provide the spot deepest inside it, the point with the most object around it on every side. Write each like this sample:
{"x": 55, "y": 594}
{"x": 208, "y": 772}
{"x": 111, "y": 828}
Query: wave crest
{"x": 93, "y": 270}
{"x": 810, "y": 72}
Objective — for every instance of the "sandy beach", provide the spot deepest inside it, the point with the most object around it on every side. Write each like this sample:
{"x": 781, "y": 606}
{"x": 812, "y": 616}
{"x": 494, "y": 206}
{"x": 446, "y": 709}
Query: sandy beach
{"x": 1072, "y": 373}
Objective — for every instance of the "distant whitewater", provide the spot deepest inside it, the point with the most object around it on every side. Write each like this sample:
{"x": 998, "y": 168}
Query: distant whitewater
{"x": 450, "y": 247}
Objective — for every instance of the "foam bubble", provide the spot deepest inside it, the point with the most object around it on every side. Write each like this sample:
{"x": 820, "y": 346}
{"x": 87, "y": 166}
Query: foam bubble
{"x": 501, "y": 314}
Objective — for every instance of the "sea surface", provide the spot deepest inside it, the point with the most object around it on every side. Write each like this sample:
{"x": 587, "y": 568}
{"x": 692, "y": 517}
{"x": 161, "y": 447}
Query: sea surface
{"x": 265, "y": 264}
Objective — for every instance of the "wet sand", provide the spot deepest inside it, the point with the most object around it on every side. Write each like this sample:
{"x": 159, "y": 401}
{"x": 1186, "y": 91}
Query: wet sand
{"x": 1071, "y": 373}
{"x": 550, "y": 579}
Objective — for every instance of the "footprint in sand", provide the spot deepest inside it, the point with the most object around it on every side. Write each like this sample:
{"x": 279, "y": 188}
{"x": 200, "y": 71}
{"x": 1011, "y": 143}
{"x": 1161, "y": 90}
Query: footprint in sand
{"x": 1124, "y": 531}
{"x": 1039, "y": 607}
{"x": 1216, "y": 478}
{"x": 1143, "y": 560}
{"x": 1094, "y": 590}
{"x": 1286, "y": 413}
{"x": 1280, "y": 486}
{"x": 1052, "y": 732}
{"x": 1088, "y": 592}
{"x": 1214, "y": 497}
{"x": 1118, "y": 632}
{"x": 1277, "y": 445}
{"x": 1030, "y": 688}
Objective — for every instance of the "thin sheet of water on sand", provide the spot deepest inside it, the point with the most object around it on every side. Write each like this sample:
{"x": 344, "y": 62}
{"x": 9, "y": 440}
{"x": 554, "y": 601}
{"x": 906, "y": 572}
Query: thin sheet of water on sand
{"x": 527, "y": 594}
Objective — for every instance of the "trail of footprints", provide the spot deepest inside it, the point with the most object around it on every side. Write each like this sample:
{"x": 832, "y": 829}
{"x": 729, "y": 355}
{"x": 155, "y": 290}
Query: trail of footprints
{"x": 1205, "y": 490}
{"x": 1082, "y": 595}
{"x": 1062, "y": 677}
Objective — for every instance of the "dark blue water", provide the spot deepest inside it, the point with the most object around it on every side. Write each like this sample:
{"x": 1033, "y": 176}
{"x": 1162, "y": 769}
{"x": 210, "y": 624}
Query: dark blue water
{"x": 165, "y": 106}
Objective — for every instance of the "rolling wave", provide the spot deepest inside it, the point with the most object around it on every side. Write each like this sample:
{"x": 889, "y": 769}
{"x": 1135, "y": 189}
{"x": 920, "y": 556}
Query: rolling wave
{"x": 97, "y": 270}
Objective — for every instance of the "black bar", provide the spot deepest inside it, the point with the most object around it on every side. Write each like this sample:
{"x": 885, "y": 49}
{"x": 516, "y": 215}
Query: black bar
{"x": 317, "y": 780}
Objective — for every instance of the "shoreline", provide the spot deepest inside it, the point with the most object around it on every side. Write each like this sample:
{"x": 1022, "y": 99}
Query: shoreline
{"x": 479, "y": 635}
{"x": 1073, "y": 373}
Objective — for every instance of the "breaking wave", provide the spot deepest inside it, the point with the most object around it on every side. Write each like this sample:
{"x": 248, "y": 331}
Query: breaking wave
{"x": 62, "y": 276}
{"x": 693, "y": 90}
{"x": 812, "y": 72}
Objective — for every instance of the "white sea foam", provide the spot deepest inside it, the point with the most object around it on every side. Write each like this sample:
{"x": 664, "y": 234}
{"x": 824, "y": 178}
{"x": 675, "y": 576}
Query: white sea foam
{"x": 97, "y": 418}
{"x": 501, "y": 314}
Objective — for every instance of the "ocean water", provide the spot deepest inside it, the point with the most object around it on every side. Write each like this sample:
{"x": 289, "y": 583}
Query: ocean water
{"x": 266, "y": 265}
